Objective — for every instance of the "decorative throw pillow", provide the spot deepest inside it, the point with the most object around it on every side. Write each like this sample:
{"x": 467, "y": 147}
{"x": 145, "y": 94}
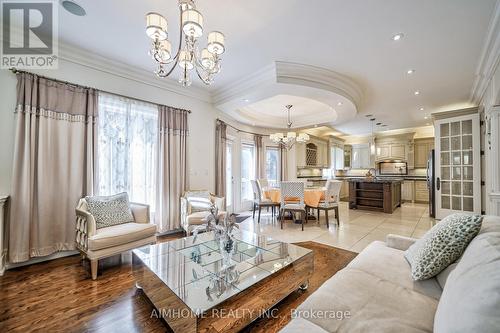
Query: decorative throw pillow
{"x": 442, "y": 245}
{"x": 110, "y": 210}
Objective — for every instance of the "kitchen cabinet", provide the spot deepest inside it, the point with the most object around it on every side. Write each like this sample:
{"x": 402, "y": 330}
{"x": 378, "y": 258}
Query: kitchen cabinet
{"x": 393, "y": 151}
{"x": 383, "y": 152}
{"x": 313, "y": 153}
{"x": 408, "y": 191}
{"x": 398, "y": 151}
{"x": 360, "y": 156}
{"x": 421, "y": 191}
{"x": 347, "y": 156}
{"x": 422, "y": 149}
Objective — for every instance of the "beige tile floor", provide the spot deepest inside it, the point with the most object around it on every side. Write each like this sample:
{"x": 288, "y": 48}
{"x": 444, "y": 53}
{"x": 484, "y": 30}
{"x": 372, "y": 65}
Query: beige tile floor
{"x": 357, "y": 229}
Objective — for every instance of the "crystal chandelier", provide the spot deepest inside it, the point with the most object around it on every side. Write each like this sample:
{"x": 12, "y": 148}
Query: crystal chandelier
{"x": 288, "y": 140}
{"x": 188, "y": 57}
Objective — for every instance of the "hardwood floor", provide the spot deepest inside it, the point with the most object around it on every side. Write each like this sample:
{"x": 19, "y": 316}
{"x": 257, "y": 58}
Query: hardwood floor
{"x": 59, "y": 296}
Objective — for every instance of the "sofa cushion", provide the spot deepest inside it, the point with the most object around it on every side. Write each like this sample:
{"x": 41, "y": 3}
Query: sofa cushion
{"x": 120, "y": 234}
{"x": 390, "y": 264}
{"x": 443, "y": 276}
{"x": 442, "y": 245}
{"x": 299, "y": 325}
{"x": 199, "y": 217}
{"x": 372, "y": 303}
{"x": 110, "y": 210}
{"x": 471, "y": 297}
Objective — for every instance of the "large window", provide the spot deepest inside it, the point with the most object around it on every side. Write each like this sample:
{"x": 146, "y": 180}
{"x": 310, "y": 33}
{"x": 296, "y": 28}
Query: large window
{"x": 247, "y": 170}
{"x": 127, "y": 148}
{"x": 272, "y": 164}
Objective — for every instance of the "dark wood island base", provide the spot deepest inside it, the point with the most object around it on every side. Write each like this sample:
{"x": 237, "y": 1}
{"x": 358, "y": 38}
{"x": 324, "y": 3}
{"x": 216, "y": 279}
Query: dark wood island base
{"x": 383, "y": 195}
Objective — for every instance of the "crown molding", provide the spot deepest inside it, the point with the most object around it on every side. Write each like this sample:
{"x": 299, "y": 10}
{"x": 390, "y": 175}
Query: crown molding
{"x": 292, "y": 73}
{"x": 320, "y": 78}
{"x": 489, "y": 59}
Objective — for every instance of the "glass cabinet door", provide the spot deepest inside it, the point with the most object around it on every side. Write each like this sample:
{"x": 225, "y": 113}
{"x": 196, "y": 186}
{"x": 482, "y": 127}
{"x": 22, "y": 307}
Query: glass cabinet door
{"x": 458, "y": 177}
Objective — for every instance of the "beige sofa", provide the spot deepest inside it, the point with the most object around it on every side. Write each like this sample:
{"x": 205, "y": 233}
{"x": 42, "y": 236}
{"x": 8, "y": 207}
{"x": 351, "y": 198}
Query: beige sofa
{"x": 190, "y": 217}
{"x": 96, "y": 244}
{"x": 375, "y": 292}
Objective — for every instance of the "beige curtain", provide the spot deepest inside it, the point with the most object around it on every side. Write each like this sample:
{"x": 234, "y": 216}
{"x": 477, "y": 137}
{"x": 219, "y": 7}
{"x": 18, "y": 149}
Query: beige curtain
{"x": 283, "y": 164}
{"x": 259, "y": 157}
{"x": 54, "y": 164}
{"x": 172, "y": 166}
{"x": 220, "y": 158}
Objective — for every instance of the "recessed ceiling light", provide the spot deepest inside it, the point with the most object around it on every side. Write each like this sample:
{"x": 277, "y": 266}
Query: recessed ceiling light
{"x": 417, "y": 92}
{"x": 372, "y": 119}
{"x": 410, "y": 71}
{"x": 422, "y": 109}
{"x": 378, "y": 124}
{"x": 339, "y": 103}
{"x": 246, "y": 100}
{"x": 73, "y": 8}
{"x": 397, "y": 37}
{"x": 426, "y": 117}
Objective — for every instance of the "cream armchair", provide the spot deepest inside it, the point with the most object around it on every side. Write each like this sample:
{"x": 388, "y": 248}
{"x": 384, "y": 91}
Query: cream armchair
{"x": 194, "y": 208}
{"x": 96, "y": 244}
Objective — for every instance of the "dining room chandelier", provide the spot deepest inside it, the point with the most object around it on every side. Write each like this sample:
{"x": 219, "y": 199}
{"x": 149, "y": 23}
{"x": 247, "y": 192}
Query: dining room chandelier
{"x": 206, "y": 63}
{"x": 290, "y": 138}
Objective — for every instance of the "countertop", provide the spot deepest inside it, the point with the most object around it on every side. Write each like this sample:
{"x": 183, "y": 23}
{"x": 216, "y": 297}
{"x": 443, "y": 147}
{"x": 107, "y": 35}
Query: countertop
{"x": 417, "y": 178}
{"x": 376, "y": 180}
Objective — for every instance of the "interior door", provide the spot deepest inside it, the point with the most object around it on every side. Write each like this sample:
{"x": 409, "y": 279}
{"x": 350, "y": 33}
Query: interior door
{"x": 458, "y": 171}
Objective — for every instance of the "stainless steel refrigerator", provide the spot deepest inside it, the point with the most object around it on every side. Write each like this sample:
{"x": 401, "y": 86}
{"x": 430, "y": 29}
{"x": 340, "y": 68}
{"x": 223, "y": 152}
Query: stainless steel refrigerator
{"x": 431, "y": 183}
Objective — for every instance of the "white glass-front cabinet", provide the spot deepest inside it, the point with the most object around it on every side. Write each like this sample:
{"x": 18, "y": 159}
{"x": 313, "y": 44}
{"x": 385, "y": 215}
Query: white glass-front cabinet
{"x": 457, "y": 162}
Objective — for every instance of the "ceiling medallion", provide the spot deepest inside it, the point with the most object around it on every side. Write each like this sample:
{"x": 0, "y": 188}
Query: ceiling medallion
{"x": 288, "y": 140}
{"x": 206, "y": 62}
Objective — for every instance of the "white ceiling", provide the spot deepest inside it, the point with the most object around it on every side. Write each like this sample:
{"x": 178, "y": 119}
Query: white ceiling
{"x": 272, "y": 112}
{"x": 442, "y": 42}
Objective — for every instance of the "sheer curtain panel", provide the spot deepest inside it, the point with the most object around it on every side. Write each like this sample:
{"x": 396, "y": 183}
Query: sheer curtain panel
{"x": 128, "y": 141}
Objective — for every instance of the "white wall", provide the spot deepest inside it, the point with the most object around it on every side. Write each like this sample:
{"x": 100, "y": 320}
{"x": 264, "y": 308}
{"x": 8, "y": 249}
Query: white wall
{"x": 201, "y": 120}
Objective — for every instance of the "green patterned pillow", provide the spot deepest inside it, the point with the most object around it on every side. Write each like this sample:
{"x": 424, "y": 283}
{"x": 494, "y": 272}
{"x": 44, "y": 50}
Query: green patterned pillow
{"x": 110, "y": 210}
{"x": 442, "y": 245}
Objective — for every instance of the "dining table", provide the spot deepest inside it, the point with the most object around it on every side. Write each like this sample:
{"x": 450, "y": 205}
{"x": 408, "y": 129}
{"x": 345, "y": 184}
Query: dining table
{"x": 312, "y": 196}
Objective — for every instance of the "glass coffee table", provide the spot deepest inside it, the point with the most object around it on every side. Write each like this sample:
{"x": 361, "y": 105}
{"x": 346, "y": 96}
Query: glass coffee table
{"x": 193, "y": 289}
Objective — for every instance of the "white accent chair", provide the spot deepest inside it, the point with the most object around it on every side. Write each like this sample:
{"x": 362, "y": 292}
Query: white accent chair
{"x": 263, "y": 183}
{"x": 259, "y": 201}
{"x": 331, "y": 201}
{"x": 295, "y": 190}
{"x": 96, "y": 244}
{"x": 194, "y": 208}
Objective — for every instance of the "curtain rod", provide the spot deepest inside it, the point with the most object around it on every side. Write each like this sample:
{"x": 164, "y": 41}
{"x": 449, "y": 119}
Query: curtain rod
{"x": 239, "y": 130}
{"x": 15, "y": 71}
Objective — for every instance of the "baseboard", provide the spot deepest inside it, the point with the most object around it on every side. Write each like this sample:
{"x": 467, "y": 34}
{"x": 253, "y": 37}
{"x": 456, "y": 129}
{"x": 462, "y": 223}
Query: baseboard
{"x": 37, "y": 260}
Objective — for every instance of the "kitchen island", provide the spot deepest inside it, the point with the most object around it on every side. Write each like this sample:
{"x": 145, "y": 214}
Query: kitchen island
{"x": 379, "y": 194}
